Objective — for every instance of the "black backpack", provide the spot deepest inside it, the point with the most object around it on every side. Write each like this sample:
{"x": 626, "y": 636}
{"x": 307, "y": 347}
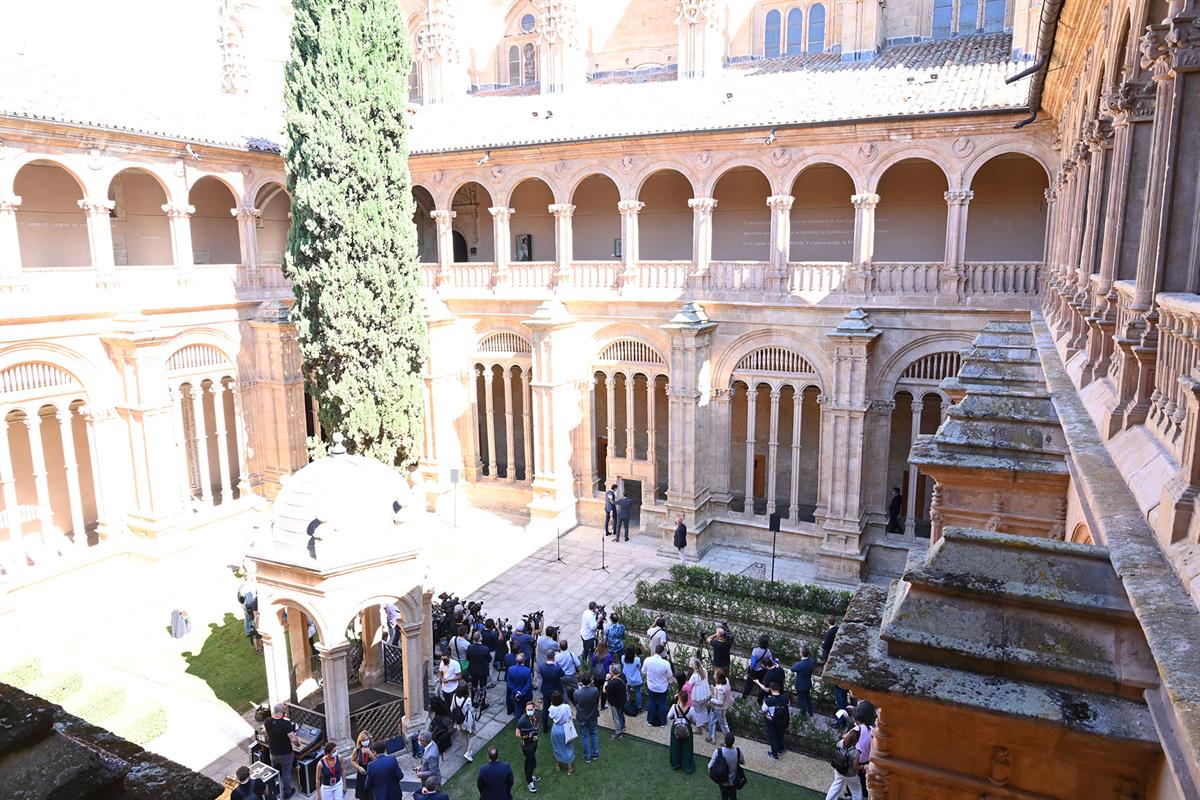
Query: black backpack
{"x": 718, "y": 772}
{"x": 841, "y": 761}
{"x": 458, "y": 712}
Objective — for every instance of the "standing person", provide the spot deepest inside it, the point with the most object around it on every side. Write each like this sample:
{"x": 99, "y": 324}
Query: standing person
{"x": 772, "y": 673}
{"x": 547, "y": 642}
{"x": 522, "y": 642}
{"x": 614, "y": 636}
{"x": 431, "y": 758}
{"x": 462, "y": 713}
{"x": 616, "y": 691}
{"x": 721, "y": 644}
{"x": 458, "y": 645}
{"x": 601, "y": 661}
{"x": 552, "y": 681}
{"x": 624, "y": 512}
{"x": 495, "y": 779}
{"x": 700, "y": 695}
{"x": 681, "y": 719}
{"x": 519, "y": 685}
{"x": 490, "y": 636}
{"x": 776, "y": 718}
{"x": 803, "y": 672}
{"x": 281, "y": 738}
{"x": 864, "y": 721}
{"x": 658, "y": 635}
{"x": 895, "y": 509}
{"x": 392, "y": 612}
{"x": 449, "y": 675}
{"x": 734, "y": 761}
{"x": 845, "y": 762}
{"x": 479, "y": 665}
{"x": 587, "y": 718}
{"x": 658, "y": 684}
{"x": 527, "y": 732}
{"x": 248, "y": 788}
{"x": 329, "y": 774}
{"x": 830, "y": 635}
{"x": 430, "y": 791}
{"x": 610, "y": 510}
{"x": 756, "y": 671}
{"x": 631, "y": 669}
{"x": 383, "y": 775}
{"x": 360, "y": 758}
{"x": 569, "y": 663}
{"x": 722, "y": 701}
{"x": 564, "y": 746}
{"x": 588, "y": 623}
{"x": 680, "y": 537}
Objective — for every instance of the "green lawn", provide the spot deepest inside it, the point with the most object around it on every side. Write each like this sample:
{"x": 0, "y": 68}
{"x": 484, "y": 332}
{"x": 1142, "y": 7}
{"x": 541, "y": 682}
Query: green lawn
{"x": 629, "y": 768}
{"x": 228, "y": 664}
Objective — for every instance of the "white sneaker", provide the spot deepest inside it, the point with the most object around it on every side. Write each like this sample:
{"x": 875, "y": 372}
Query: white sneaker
{"x": 532, "y": 787}
{"x": 468, "y": 756}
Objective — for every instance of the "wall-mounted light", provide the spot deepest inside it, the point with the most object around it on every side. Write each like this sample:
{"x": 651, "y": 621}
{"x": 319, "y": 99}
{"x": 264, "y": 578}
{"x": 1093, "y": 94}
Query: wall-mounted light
{"x": 770, "y": 138}
{"x": 486, "y": 157}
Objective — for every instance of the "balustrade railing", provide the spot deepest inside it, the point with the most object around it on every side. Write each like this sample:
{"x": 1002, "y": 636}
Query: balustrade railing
{"x": 663, "y": 274}
{"x": 428, "y": 274}
{"x": 905, "y": 277}
{"x": 530, "y": 274}
{"x": 595, "y": 274}
{"x": 1003, "y": 277}
{"x": 470, "y": 275}
{"x": 810, "y": 277}
{"x": 725, "y": 276}
{"x": 1178, "y": 355}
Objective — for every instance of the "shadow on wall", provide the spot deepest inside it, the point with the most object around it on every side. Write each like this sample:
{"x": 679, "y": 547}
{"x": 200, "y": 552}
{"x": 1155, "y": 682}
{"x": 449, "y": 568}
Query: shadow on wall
{"x": 228, "y": 664}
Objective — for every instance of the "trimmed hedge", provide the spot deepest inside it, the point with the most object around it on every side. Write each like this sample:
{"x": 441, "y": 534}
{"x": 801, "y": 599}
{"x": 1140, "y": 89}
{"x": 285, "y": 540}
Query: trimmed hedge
{"x": 748, "y": 612}
{"x": 694, "y": 630}
{"x": 803, "y": 596}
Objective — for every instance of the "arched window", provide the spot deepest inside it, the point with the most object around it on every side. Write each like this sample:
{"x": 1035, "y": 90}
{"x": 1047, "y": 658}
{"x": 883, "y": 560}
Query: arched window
{"x": 943, "y": 18}
{"x": 968, "y": 16}
{"x": 414, "y": 83}
{"x": 816, "y": 29}
{"x": 994, "y": 12}
{"x": 514, "y": 66}
{"x": 795, "y": 32}
{"x": 771, "y": 38}
{"x": 530, "y": 55}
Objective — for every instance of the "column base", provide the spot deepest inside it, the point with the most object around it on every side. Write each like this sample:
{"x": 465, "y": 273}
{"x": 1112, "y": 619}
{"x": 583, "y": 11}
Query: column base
{"x": 836, "y": 566}
{"x": 415, "y": 723}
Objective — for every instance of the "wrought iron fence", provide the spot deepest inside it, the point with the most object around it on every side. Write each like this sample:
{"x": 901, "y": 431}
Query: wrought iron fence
{"x": 393, "y": 664}
{"x": 354, "y": 659}
{"x": 383, "y": 721}
{"x": 299, "y": 715}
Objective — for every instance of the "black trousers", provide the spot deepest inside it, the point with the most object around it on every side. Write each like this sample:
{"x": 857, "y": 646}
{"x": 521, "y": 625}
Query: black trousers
{"x": 728, "y": 792}
{"x": 530, "y": 764}
{"x": 622, "y": 523}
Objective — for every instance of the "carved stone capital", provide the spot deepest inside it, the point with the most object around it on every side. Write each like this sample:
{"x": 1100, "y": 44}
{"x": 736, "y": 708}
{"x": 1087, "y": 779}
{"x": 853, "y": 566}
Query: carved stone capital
{"x": 95, "y": 207}
{"x": 702, "y": 203}
{"x": 1132, "y": 101}
{"x": 1155, "y": 55}
{"x": 561, "y": 210}
{"x": 630, "y": 206}
{"x": 780, "y": 202}
{"x": 1051, "y": 194}
{"x": 959, "y": 198}
{"x": 1183, "y": 43}
{"x": 865, "y": 200}
{"x": 882, "y": 406}
{"x": 176, "y": 211}
{"x": 9, "y": 205}
{"x": 501, "y": 212}
{"x": 441, "y": 216}
{"x": 243, "y": 213}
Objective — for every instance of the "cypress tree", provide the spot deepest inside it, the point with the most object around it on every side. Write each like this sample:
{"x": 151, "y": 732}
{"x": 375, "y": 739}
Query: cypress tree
{"x": 352, "y": 244}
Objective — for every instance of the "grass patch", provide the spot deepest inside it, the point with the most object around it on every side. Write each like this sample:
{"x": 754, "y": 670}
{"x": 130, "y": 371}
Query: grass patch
{"x": 23, "y": 675}
{"x": 100, "y": 706}
{"x": 147, "y": 727}
{"x": 228, "y": 664}
{"x": 58, "y": 688}
{"x": 631, "y": 767}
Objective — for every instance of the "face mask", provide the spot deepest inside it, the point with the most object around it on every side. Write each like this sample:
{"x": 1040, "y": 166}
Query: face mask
{"x": 530, "y": 713}
{"x": 366, "y": 743}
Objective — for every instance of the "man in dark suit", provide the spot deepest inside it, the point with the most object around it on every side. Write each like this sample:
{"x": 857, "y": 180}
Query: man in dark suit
{"x": 383, "y": 775}
{"x": 610, "y": 509}
{"x": 830, "y": 635}
{"x": 520, "y": 685}
{"x": 895, "y": 509}
{"x": 803, "y": 672}
{"x": 680, "y": 537}
{"x": 495, "y": 779}
{"x": 624, "y": 512}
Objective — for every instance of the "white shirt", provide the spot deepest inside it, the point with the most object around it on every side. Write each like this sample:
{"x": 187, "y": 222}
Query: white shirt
{"x": 864, "y": 741}
{"x": 587, "y": 625}
{"x": 449, "y": 674}
{"x": 393, "y": 614}
{"x": 658, "y": 674}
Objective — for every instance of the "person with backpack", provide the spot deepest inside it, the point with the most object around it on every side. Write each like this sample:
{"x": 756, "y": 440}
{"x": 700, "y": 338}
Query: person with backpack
{"x": 756, "y": 671}
{"x": 701, "y": 696}
{"x": 631, "y": 668}
{"x": 776, "y": 717}
{"x": 725, "y": 768}
{"x": 845, "y": 762}
{"x": 719, "y": 705}
{"x": 657, "y": 634}
{"x": 248, "y": 788}
{"x": 329, "y": 774}
{"x": 614, "y": 636}
{"x": 570, "y": 665}
{"x": 680, "y": 721}
{"x": 616, "y": 692}
{"x": 462, "y": 714}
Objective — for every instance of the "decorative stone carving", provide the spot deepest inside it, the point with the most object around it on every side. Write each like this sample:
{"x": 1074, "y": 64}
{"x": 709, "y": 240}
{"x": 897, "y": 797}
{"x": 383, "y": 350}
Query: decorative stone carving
{"x": 882, "y": 406}
{"x": 628, "y": 162}
{"x": 865, "y": 200}
{"x": 234, "y": 73}
{"x": 559, "y": 22}
{"x": 630, "y": 206}
{"x": 867, "y": 151}
{"x": 959, "y": 197}
{"x": 1132, "y": 101}
{"x": 1183, "y": 43}
{"x": 963, "y": 147}
{"x": 436, "y": 38}
{"x": 1155, "y": 55}
{"x": 439, "y": 176}
{"x": 704, "y": 158}
{"x": 496, "y": 173}
{"x": 93, "y": 206}
{"x": 561, "y": 167}
{"x": 95, "y": 157}
{"x": 1000, "y": 766}
{"x": 175, "y": 211}
{"x": 780, "y": 157}
{"x": 9, "y": 205}
{"x": 694, "y": 11}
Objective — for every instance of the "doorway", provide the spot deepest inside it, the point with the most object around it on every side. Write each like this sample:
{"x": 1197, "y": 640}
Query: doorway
{"x": 634, "y": 490}
{"x": 602, "y": 461}
{"x": 460, "y": 247}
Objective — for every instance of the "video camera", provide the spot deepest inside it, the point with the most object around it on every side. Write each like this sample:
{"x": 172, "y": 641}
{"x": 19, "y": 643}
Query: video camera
{"x": 533, "y": 620}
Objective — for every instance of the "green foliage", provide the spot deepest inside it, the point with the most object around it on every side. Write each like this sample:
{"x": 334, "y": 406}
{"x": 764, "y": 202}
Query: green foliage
{"x": 714, "y": 605}
{"x": 24, "y": 674}
{"x": 778, "y": 593}
{"x": 352, "y": 249}
{"x": 228, "y": 664}
{"x": 147, "y": 727}
{"x": 806, "y": 734}
{"x": 100, "y": 705}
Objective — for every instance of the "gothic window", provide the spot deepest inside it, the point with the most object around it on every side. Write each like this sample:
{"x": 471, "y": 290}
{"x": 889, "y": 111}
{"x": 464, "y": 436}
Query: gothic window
{"x": 414, "y": 83}
{"x": 527, "y": 23}
{"x": 514, "y": 66}
{"x": 993, "y": 15}
{"x": 795, "y": 32}
{"x": 816, "y": 29}
{"x": 530, "y": 56}
{"x": 968, "y": 16}
{"x": 771, "y": 38}
{"x": 943, "y": 18}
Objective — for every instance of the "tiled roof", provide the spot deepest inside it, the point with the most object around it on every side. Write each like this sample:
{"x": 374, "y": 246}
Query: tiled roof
{"x": 959, "y": 75}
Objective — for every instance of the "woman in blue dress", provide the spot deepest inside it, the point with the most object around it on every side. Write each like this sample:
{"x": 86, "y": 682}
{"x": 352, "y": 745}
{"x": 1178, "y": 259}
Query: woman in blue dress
{"x": 560, "y": 716}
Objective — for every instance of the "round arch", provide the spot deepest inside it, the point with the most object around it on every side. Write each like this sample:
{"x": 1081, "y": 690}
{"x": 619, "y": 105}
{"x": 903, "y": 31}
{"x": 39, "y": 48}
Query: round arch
{"x": 167, "y": 182}
{"x": 914, "y": 154}
{"x": 725, "y": 364}
{"x": 1007, "y": 221}
{"x": 596, "y": 220}
{"x": 277, "y": 602}
{"x": 741, "y": 218}
{"x": 639, "y": 181}
{"x": 141, "y": 230}
{"x": 822, "y": 213}
{"x": 235, "y": 184}
{"x": 1013, "y": 147}
{"x": 911, "y": 216}
{"x": 823, "y": 159}
{"x": 891, "y": 369}
{"x": 719, "y": 171}
{"x": 69, "y": 361}
{"x": 470, "y": 201}
{"x": 532, "y": 232}
{"x": 207, "y": 336}
{"x": 657, "y": 341}
{"x": 573, "y": 181}
{"x": 509, "y": 187}
{"x": 40, "y": 159}
{"x": 52, "y": 227}
{"x": 215, "y": 235}
{"x": 253, "y": 190}
{"x": 501, "y": 333}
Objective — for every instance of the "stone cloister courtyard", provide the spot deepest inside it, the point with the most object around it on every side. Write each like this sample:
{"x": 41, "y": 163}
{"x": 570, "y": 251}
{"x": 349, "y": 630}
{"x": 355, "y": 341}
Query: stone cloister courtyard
{"x": 103, "y": 648}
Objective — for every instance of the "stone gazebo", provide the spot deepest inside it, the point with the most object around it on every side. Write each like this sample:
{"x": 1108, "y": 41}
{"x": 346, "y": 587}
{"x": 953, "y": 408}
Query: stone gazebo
{"x": 338, "y": 548}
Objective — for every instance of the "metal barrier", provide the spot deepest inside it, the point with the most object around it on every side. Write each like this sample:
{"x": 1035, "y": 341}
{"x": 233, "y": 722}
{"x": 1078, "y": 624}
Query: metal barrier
{"x": 354, "y": 659}
{"x": 299, "y": 715}
{"x": 383, "y": 721}
{"x": 393, "y": 664}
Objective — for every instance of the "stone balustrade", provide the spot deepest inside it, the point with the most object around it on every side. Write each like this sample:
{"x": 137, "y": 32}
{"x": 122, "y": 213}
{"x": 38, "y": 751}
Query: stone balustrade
{"x": 1178, "y": 351}
{"x": 1003, "y": 277}
{"x": 905, "y": 277}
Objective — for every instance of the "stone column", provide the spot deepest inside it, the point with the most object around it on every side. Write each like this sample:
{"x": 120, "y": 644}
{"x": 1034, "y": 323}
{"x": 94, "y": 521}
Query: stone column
{"x": 702, "y": 212}
{"x": 781, "y": 239}
{"x": 563, "y": 244}
{"x": 910, "y": 520}
{"x": 179, "y": 217}
{"x": 206, "y": 490}
{"x": 370, "y": 672}
{"x": 797, "y": 437}
{"x": 273, "y": 402}
{"x": 556, "y": 410}
{"x": 488, "y": 404}
{"x": 297, "y": 633}
{"x": 651, "y": 450}
{"x": 501, "y": 244}
{"x": 100, "y": 243}
{"x": 751, "y": 442}
{"x": 247, "y": 223}
{"x": 78, "y": 526}
{"x": 719, "y": 421}
{"x": 414, "y": 661}
{"x": 8, "y": 486}
{"x": 629, "y": 241}
{"x": 527, "y": 428}
{"x": 773, "y": 452}
{"x": 239, "y": 432}
{"x": 445, "y": 242}
{"x": 279, "y": 684}
{"x": 217, "y": 390}
{"x": 10, "y": 243}
{"x": 864, "y": 242}
{"x": 475, "y": 465}
{"x": 842, "y": 512}
{"x": 594, "y": 432}
{"x": 451, "y": 424}
{"x": 33, "y": 423}
{"x": 336, "y": 693}
{"x": 611, "y": 417}
{"x": 688, "y": 403}
{"x": 957, "y": 202}
{"x": 630, "y": 417}
{"x": 103, "y": 501}
{"x": 510, "y": 419}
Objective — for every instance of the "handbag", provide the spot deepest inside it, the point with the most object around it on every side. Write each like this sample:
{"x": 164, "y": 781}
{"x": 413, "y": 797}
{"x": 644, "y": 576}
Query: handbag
{"x": 569, "y": 732}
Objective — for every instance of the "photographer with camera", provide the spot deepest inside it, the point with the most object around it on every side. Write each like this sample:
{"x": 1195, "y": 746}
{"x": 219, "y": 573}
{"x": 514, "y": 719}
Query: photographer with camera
{"x": 589, "y": 622}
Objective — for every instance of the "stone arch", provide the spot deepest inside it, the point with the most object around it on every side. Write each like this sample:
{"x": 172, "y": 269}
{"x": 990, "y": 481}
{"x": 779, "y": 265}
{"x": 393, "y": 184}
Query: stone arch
{"x": 741, "y": 218}
{"x": 52, "y": 228}
{"x": 1008, "y": 211}
{"x": 908, "y": 154}
{"x": 665, "y": 220}
{"x": 165, "y": 180}
{"x": 725, "y": 365}
{"x": 253, "y": 190}
{"x": 579, "y": 176}
{"x": 508, "y": 187}
{"x": 891, "y": 369}
{"x": 719, "y": 171}
{"x": 659, "y": 343}
{"x": 1013, "y": 146}
{"x": 276, "y": 603}
{"x": 473, "y": 220}
{"x": 209, "y": 337}
{"x": 27, "y": 158}
{"x": 215, "y": 235}
{"x": 819, "y": 159}
{"x": 657, "y": 166}
{"x": 69, "y": 361}
{"x": 233, "y": 182}
{"x": 911, "y": 217}
{"x": 502, "y": 337}
{"x": 821, "y": 209}
{"x": 596, "y": 220}
{"x": 532, "y": 218}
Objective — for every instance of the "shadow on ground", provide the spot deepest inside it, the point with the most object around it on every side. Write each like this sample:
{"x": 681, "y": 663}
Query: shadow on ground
{"x": 228, "y": 664}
